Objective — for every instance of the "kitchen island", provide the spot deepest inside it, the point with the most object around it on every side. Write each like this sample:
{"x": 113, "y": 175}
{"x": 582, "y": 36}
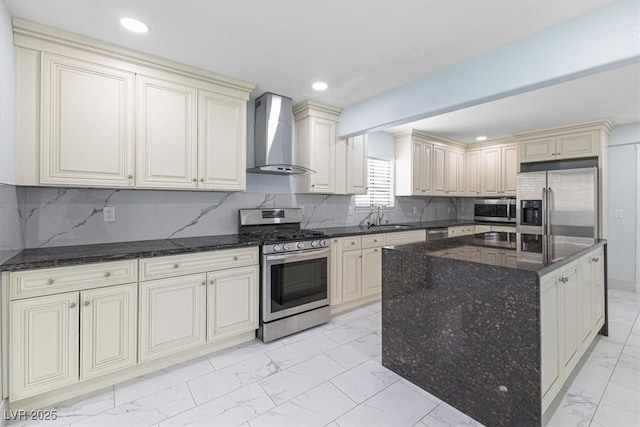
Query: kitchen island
{"x": 493, "y": 323}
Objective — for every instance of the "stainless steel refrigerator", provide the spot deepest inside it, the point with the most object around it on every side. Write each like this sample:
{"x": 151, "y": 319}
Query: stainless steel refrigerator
{"x": 559, "y": 202}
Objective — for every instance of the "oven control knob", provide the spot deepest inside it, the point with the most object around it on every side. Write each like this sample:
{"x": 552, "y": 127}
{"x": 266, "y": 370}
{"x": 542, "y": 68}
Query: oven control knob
{"x": 314, "y": 243}
{"x": 276, "y": 248}
{"x": 323, "y": 243}
{"x": 285, "y": 246}
{"x": 300, "y": 245}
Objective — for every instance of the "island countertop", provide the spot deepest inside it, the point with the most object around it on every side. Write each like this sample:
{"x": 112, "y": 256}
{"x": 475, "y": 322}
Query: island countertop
{"x": 529, "y": 252}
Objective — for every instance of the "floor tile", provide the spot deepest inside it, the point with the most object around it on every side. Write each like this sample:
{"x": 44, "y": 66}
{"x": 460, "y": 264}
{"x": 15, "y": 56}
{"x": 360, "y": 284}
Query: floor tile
{"x": 397, "y": 406}
{"x": 231, "y": 378}
{"x": 445, "y": 415}
{"x": 231, "y": 356}
{"x": 317, "y": 407}
{"x": 352, "y": 330}
{"x": 619, "y": 407}
{"x": 146, "y": 411}
{"x": 302, "y": 377}
{"x": 230, "y": 410}
{"x": 290, "y": 355}
{"x": 604, "y": 353}
{"x": 588, "y": 381}
{"x": 357, "y": 351}
{"x": 627, "y": 372}
{"x": 572, "y": 410}
{"x": 364, "y": 381}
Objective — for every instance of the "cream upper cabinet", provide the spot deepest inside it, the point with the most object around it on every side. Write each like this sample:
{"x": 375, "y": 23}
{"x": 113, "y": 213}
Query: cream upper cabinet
{"x": 454, "y": 171}
{"x": 108, "y": 329}
{"x": 357, "y": 165}
{"x": 561, "y": 146}
{"x": 167, "y": 134}
{"x": 43, "y": 345}
{"x": 509, "y": 169}
{"x": 221, "y": 141}
{"x": 232, "y": 302}
{"x": 499, "y": 170}
{"x": 172, "y": 315}
{"x": 86, "y": 124}
{"x": 413, "y": 166}
{"x": 472, "y": 172}
{"x": 316, "y": 141}
{"x": 439, "y": 165}
{"x": 490, "y": 172}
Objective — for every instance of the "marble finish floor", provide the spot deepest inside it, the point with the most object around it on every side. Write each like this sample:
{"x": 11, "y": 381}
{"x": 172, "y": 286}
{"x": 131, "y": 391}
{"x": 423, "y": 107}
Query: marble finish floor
{"x": 331, "y": 376}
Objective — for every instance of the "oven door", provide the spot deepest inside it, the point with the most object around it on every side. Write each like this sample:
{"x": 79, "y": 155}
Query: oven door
{"x": 294, "y": 283}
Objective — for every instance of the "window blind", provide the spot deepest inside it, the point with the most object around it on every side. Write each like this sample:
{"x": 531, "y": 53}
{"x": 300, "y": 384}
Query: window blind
{"x": 380, "y": 182}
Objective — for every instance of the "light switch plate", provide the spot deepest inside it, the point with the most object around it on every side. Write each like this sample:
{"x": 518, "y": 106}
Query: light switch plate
{"x": 108, "y": 214}
{"x": 617, "y": 213}
{"x": 350, "y": 210}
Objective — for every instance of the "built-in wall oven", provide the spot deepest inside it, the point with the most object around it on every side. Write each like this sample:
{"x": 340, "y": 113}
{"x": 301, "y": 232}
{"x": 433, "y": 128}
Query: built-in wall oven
{"x": 295, "y": 276}
{"x": 495, "y": 210}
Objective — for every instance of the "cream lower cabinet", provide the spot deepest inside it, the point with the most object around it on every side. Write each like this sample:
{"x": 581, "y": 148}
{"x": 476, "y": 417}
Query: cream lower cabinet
{"x": 571, "y": 299}
{"x": 232, "y": 302}
{"x": 371, "y": 271}
{"x": 172, "y": 315}
{"x": 351, "y": 275}
{"x": 336, "y": 272}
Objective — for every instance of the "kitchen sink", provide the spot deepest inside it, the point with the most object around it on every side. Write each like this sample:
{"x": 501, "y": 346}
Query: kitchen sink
{"x": 390, "y": 227}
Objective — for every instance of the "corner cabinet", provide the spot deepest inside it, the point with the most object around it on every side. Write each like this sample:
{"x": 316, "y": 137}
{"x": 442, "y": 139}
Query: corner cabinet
{"x": 95, "y": 115}
{"x": 316, "y": 141}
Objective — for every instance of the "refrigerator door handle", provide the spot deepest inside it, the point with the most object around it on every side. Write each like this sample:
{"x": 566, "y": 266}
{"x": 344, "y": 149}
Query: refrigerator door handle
{"x": 545, "y": 220}
{"x": 549, "y": 197}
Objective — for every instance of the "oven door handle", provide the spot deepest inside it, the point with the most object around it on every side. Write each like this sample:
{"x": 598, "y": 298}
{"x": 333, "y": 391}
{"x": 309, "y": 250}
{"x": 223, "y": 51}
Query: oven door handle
{"x": 299, "y": 256}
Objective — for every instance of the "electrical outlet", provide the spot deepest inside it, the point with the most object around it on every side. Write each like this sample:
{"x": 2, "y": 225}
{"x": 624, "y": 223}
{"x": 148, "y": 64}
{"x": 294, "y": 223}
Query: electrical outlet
{"x": 350, "y": 210}
{"x": 618, "y": 214}
{"x": 415, "y": 210}
{"x": 108, "y": 214}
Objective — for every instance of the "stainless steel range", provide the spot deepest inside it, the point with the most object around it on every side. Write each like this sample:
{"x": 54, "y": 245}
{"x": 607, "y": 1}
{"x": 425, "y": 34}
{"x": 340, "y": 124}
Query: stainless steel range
{"x": 294, "y": 277}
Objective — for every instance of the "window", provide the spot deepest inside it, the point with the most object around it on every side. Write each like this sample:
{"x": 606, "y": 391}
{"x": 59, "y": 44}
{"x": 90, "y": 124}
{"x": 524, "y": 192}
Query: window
{"x": 380, "y": 183}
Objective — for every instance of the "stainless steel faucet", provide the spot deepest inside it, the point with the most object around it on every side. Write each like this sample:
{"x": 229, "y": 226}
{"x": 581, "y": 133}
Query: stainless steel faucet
{"x": 377, "y": 220}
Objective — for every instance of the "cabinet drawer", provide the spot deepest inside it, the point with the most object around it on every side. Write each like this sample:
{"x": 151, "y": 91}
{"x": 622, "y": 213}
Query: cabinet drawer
{"x": 351, "y": 242}
{"x": 178, "y": 265}
{"x": 49, "y": 281}
{"x": 404, "y": 237}
{"x": 503, "y": 228}
{"x": 373, "y": 240}
{"x": 457, "y": 231}
{"x": 482, "y": 228}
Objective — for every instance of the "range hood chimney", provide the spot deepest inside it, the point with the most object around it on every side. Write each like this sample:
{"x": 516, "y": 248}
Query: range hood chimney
{"x": 273, "y": 136}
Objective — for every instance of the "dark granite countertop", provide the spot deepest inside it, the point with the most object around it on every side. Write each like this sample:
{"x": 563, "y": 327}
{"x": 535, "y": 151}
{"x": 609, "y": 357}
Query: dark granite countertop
{"x": 86, "y": 254}
{"x": 519, "y": 251}
{"x": 354, "y": 230}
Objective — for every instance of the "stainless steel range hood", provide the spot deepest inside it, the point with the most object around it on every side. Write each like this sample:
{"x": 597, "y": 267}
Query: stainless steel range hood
{"x": 273, "y": 137}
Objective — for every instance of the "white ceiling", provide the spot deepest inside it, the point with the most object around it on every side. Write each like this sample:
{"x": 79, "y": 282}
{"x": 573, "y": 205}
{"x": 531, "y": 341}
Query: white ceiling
{"x": 360, "y": 48}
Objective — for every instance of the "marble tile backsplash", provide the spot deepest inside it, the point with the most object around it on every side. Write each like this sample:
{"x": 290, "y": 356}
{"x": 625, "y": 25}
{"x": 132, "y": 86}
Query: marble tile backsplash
{"x": 11, "y": 223}
{"x": 72, "y": 216}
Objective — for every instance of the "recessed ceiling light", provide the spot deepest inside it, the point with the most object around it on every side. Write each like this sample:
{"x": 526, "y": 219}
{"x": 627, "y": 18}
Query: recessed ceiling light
{"x": 481, "y": 138}
{"x": 134, "y": 25}
{"x": 319, "y": 86}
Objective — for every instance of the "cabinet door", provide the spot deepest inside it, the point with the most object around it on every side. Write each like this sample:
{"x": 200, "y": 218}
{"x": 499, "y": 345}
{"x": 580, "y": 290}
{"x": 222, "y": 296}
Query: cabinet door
{"x": 351, "y": 275}
{"x": 108, "y": 329}
{"x": 490, "y": 171}
{"x": 232, "y": 302}
{"x": 597, "y": 280}
{"x": 570, "y": 336}
{"x": 222, "y": 141}
{"x": 43, "y": 347}
{"x": 509, "y": 169}
{"x": 357, "y": 178}
{"x": 322, "y": 155}
{"x": 439, "y": 170}
{"x": 417, "y": 167}
{"x": 539, "y": 149}
{"x": 425, "y": 169}
{"x": 371, "y": 271}
{"x": 86, "y": 124}
{"x": 577, "y": 145}
{"x": 166, "y": 134}
{"x": 336, "y": 272}
{"x": 452, "y": 160}
{"x": 550, "y": 374}
{"x": 472, "y": 173}
{"x": 585, "y": 290}
{"x": 172, "y": 315}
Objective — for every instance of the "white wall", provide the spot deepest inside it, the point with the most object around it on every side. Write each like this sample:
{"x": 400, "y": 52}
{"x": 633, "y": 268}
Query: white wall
{"x": 623, "y": 195}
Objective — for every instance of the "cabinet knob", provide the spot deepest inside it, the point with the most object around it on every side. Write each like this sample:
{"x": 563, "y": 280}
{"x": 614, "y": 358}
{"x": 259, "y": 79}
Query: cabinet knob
{"x": 353, "y": 243}
{"x": 204, "y": 283}
{"x": 424, "y": 191}
{"x": 375, "y": 250}
{"x": 129, "y": 176}
{"x": 375, "y": 240}
{"x": 211, "y": 282}
{"x": 359, "y": 256}
{"x": 49, "y": 281}
{"x": 175, "y": 265}
{"x": 86, "y": 303}
{"x": 201, "y": 179}
{"x": 313, "y": 185}
{"x": 596, "y": 259}
{"x": 235, "y": 258}
{"x": 72, "y": 305}
{"x": 107, "y": 274}
{"x": 335, "y": 241}
{"x": 195, "y": 179}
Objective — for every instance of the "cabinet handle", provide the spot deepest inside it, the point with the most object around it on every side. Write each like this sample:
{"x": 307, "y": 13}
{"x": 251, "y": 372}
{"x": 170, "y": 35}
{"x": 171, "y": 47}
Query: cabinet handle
{"x": 204, "y": 283}
{"x": 107, "y": 274}
{"x": 175, "y": 265}
{"x": 49, "y": 281}
{"x": 195, "y": 180}
{"x": 359, "y": 256}
{"x": 375, "y": 240}
{"x": 335, "y": 241}
{"x": 353, "y": 243}
{"x": 211, "y": 282}
{"x": 424, "y": 191}
{"x": 375, "y": 250}
{"x": 564, "y": 279}
{"x": 86, "y": 303}
{"x": 72, "y": 305}
{"x": 313, "y": 185}
{"x": 596, "y": 259}
{"x": 129, "y": 176}
{"x": 201, "y": 179}
{"x": 235, "y": 258}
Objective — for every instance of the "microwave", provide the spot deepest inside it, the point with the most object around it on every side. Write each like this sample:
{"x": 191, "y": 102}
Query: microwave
{"x": 495, "y": 210}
